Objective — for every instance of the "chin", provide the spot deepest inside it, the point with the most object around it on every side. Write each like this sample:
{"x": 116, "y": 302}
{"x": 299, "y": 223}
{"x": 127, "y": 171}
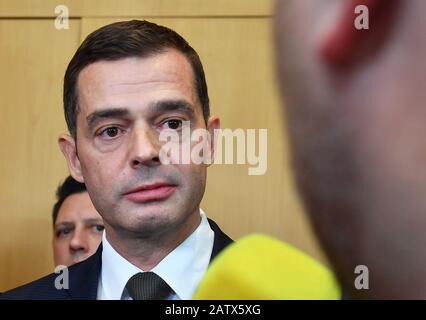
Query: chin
{"x": 150, "y": 218}
{"x": 147, "y": 225}
{"x": 152, "y": 225}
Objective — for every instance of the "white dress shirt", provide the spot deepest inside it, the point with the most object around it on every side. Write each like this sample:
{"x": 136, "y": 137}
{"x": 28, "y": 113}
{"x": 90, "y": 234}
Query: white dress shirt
{"x": 182, "y": 269}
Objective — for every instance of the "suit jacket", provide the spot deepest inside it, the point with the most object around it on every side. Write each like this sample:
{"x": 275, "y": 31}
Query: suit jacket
{"x": 84, "y": 277}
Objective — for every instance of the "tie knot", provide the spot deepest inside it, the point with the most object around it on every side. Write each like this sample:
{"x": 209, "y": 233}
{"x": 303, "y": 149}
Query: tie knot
{"x": 148, "y": 286}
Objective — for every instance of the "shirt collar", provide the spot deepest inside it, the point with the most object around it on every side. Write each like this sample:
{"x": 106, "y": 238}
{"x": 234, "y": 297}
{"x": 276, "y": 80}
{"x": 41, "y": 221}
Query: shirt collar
{"x": 182, "y": 269}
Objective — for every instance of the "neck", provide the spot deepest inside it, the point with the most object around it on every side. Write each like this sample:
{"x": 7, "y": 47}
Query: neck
{"x": 145, "y": 252}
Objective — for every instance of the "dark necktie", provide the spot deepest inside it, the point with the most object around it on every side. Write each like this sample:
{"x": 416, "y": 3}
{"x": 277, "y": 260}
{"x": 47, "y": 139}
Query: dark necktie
{"x": 148, "y": 286}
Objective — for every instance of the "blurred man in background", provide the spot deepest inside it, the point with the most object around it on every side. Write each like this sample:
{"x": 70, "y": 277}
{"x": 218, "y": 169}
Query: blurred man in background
{"x": 77, "y": 225}
{"x": 355, "y": 102}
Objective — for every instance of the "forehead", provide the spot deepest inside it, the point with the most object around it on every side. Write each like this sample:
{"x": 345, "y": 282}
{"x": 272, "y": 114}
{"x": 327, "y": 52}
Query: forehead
{"x": 77, "y": 207}
{"x": 136, "y": 81}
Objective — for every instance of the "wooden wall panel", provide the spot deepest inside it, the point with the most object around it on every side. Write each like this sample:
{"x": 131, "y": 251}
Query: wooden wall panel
{"x": 128, "y": 8}
{"x": 33, "y": 57}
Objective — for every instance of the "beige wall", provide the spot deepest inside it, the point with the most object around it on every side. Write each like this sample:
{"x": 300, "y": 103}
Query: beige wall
{"x": 233, "y": 39}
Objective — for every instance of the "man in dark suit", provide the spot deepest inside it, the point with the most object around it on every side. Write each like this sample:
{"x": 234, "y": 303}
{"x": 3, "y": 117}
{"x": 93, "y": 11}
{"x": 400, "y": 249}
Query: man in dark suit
{"x": 128, "y": 85}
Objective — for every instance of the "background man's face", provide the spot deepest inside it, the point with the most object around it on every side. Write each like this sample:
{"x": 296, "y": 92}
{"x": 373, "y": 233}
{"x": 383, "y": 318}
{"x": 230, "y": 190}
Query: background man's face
{"x": 358, "y": 136}
{"x": 77, "y": 231}
{"x": 124, "y": 105}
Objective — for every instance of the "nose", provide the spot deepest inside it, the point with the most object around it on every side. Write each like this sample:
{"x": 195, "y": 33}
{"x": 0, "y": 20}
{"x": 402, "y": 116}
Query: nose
{"x": 144, "y": 148}
{"x": 79, "y": 242}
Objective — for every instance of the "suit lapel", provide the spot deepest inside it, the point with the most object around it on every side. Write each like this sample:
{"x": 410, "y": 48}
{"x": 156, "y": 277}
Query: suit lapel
{"x": 221, "y": 240}
{"x": 84, "y": 277}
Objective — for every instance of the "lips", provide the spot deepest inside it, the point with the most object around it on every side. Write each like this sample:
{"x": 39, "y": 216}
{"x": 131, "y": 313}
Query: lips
{"x": 151, "y": 192}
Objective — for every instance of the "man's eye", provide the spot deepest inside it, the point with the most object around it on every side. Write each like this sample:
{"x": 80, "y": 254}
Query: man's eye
{"x": 63, "y": 232}
{"x": 99, "y": 228}
{"x": 173, "y": 124}
{"x": 110, "y": 132}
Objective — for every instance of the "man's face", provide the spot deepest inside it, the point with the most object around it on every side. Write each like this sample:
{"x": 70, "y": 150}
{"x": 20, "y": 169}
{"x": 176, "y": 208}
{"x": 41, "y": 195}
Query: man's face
{"x": 77, "y": 230}
{"x": 124, "y": 105}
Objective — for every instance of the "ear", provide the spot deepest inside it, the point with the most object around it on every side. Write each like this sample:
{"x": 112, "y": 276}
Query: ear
{"x": 345, "y": 44}
{"x": 69, "y": 149}
{"x": 212, "y": 124}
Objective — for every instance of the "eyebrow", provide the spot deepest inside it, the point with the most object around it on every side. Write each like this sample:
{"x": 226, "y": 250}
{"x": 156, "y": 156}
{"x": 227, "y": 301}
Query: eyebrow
{"x": 95, "y": 117}
{"x": 172, "y": 105}
{"x": 93, "y": 221}
{"x": 154, "y": 108}
{"x": 72, "y": 224}
{"x": 64, "y": 224}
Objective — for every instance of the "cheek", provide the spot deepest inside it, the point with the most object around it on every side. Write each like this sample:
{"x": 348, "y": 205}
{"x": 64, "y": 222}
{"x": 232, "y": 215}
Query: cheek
{"x": 97, "y": 166}
{"x": 194, "y": 176}
{"x": 95, "y": 240}
{"x": 99, "y": 172}
{"x": 60, "y": 248}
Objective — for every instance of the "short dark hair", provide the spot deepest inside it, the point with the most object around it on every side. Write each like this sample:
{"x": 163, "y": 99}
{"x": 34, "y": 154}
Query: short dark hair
{"x": 125, "y": 39}
{"x": 69, "y": 187}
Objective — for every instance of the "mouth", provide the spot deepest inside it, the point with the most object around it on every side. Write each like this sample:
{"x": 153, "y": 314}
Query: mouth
{"x": 80, "y": 257}
{"x": 150, "y": 192}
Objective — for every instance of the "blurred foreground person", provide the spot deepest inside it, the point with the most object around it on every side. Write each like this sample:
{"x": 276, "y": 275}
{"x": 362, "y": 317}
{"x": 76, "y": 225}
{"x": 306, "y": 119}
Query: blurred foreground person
{"x": 355, "y": 106}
